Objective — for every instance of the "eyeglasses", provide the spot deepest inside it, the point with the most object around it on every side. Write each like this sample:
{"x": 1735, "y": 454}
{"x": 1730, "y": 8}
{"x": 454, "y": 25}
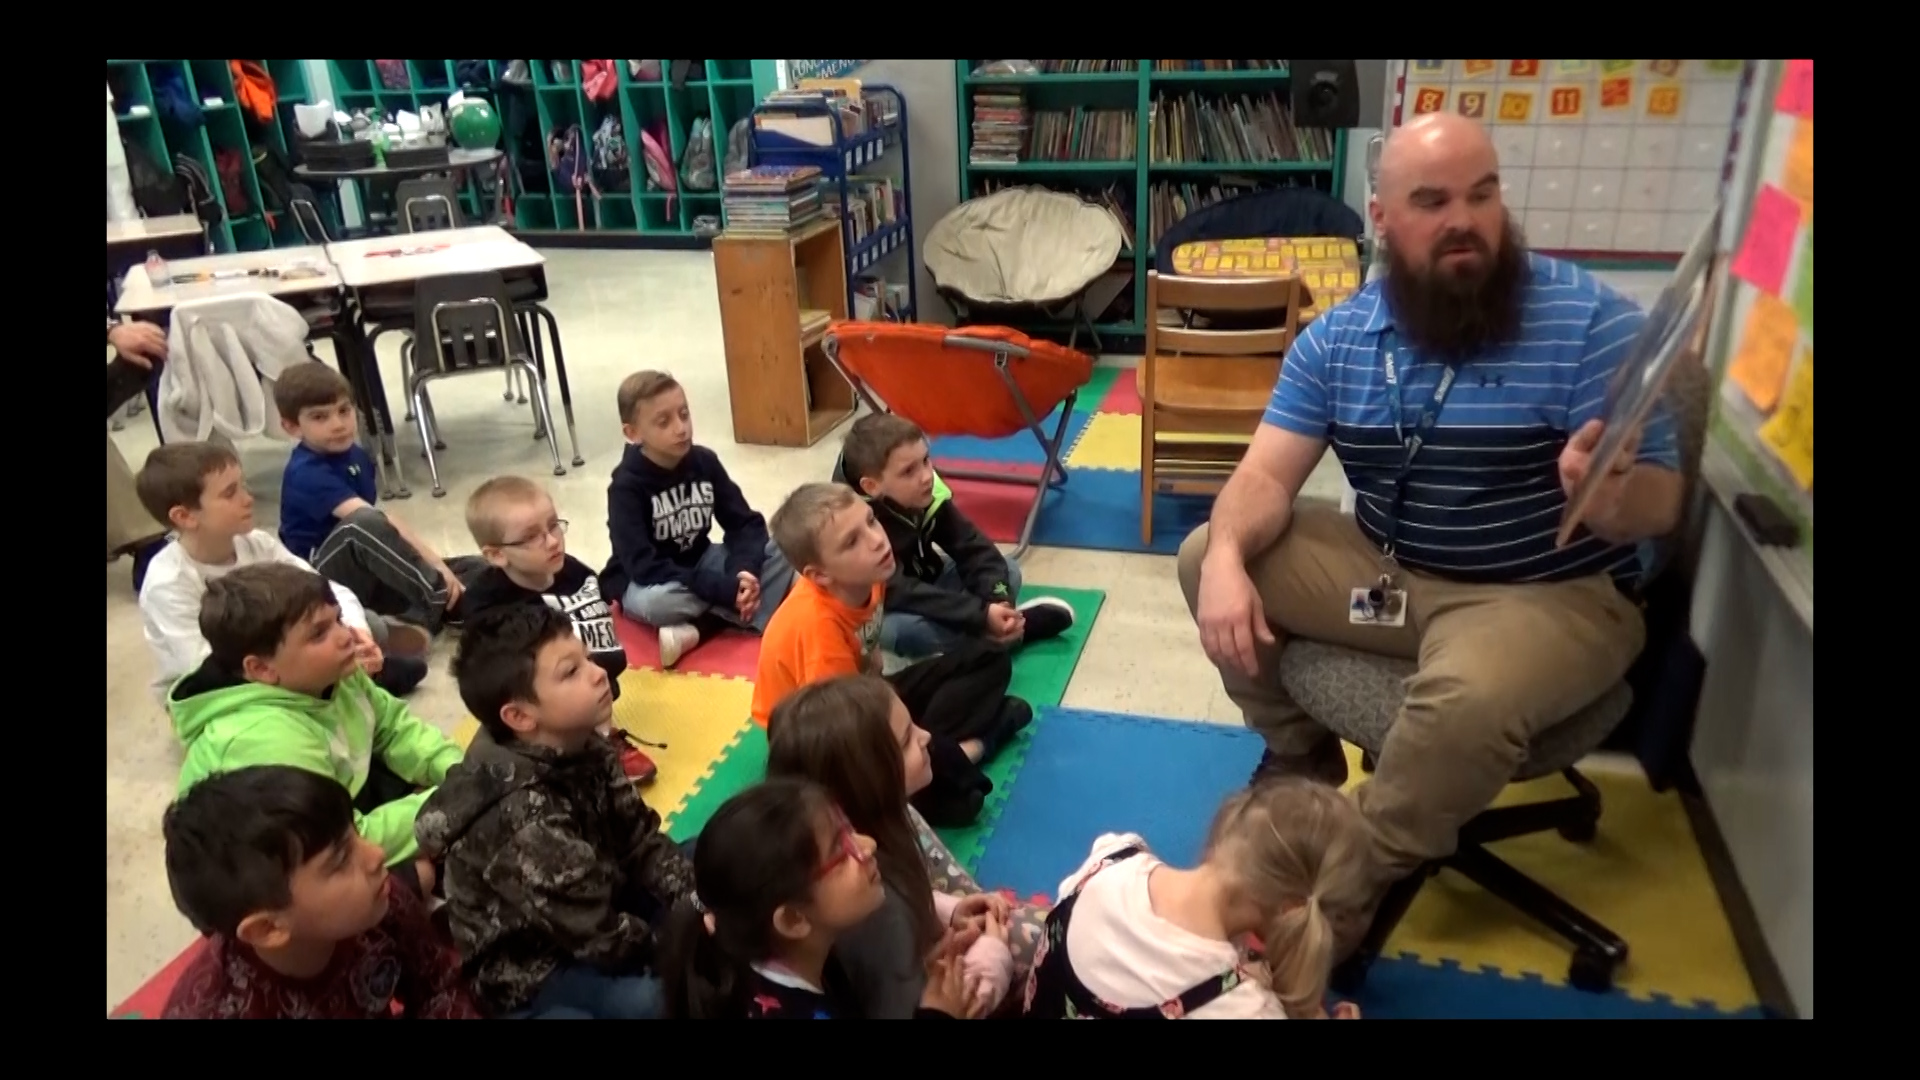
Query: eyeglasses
{"x": 846, "y": 845}
{"x": 557, "y": 529}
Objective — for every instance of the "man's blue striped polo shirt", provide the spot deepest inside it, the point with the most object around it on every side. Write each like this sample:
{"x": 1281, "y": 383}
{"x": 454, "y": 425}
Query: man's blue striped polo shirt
{"x": 1483, "y": 500}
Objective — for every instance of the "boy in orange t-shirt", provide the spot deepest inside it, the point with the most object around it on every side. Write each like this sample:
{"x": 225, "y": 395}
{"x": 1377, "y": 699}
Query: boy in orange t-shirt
{"x": 829, "y": 625}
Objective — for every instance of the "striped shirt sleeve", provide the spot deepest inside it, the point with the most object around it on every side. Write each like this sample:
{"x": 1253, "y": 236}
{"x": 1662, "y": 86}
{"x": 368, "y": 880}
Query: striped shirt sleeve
{"x": 1299, "y": 403}
{"x": 1617, "y": 321}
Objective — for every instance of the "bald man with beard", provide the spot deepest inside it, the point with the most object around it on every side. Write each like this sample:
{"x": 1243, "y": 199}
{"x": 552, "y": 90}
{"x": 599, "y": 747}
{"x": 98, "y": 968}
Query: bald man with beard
{"x": 1462, "y": 393}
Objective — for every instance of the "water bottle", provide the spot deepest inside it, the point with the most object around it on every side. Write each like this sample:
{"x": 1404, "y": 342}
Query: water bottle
{"x": 157, "y": 274}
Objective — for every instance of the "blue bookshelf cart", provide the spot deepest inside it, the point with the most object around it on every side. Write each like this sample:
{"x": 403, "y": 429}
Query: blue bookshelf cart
{"x": 841, "y": 165}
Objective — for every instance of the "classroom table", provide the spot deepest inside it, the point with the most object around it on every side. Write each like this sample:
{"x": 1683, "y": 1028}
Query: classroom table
{"x": 1329, "y": 266}
{"x": 316, "y": 295}
{"x": 457, "y": 164}
{"x": 380, "y": 274}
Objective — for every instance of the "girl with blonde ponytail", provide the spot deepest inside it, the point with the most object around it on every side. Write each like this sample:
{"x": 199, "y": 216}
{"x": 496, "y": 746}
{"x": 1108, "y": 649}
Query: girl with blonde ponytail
{"x": 1135, "y": 939}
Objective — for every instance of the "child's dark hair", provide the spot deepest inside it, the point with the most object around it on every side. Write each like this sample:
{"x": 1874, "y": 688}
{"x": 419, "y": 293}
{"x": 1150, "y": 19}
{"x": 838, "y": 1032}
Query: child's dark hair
{"x": 312, "y": 385}
{"x": 839, "y": 734}
{"x": 250, "y": 611}
{"x": 872, "y": 440}
{"x": 757, "y": 855}
{"x": 175, "y": 475}
{"x": 499, "y": 650}
{"x": 235, "y": 839}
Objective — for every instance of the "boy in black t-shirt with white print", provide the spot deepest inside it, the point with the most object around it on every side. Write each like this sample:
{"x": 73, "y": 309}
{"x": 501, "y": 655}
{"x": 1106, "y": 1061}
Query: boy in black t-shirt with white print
{"x": 524, "y": 540}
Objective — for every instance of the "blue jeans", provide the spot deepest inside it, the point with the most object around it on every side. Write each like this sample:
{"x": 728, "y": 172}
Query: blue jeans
{"x": 908, "y": 635}
{"x": 675, "y": 605}
{"x": 581, "y": 993}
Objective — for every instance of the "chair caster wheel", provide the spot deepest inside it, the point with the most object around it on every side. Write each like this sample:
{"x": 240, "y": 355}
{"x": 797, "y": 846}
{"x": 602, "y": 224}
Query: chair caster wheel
{"x": 1592, "y": 970}
{"x": 1368, "y": 763}
{"x": 439, "y": 492}
{"x": 1581, "y": 833}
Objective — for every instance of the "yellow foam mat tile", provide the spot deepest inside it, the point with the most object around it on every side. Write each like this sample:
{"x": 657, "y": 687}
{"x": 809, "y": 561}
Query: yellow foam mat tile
{"x": 698, "y": 717}
{"x": 1643, "y": 877}
{"x": 1108, "y": 441}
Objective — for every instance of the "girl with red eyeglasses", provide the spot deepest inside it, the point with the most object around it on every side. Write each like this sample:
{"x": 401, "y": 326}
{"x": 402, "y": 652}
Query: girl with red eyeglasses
{"x": 779, "y": 875}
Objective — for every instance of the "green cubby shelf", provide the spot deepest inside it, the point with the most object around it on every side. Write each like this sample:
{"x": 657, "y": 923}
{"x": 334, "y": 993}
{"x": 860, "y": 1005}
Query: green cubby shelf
{"x": 725, "y": 95}
{"x": 1134, "y": 87}
{"x": 223, "y": 127}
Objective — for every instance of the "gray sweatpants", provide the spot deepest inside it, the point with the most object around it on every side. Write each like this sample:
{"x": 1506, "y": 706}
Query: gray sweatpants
{"x": 365, "y": 553}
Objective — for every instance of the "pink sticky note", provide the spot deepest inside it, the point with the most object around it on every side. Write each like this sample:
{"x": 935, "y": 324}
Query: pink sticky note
{"x": 1796, "y": 90}
{"x": 1768, "y": 247}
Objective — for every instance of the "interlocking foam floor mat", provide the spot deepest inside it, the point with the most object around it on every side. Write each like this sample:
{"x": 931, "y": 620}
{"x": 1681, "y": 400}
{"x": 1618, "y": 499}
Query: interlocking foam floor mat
{"x": 1087, "y": 773}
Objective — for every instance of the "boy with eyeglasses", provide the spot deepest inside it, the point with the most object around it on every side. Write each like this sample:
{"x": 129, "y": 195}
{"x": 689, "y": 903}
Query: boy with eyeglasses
{"x": 523, "y": 538}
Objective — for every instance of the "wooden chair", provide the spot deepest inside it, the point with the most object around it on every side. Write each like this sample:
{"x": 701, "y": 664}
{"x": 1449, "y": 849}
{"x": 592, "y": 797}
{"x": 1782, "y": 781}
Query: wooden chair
{"x": 1203, "y": 392}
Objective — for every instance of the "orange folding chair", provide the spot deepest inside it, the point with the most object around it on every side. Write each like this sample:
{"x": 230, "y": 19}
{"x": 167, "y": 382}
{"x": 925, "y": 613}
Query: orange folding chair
{"x": 987, "y": 382}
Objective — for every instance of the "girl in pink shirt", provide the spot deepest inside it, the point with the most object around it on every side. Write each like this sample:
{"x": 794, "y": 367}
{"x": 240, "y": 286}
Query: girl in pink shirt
{"x": 854, "y": 737}
{"x": 1135, "y": 939}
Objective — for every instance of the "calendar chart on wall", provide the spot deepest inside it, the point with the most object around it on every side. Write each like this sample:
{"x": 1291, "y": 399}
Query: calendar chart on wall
{"x": 1601, "y": 159}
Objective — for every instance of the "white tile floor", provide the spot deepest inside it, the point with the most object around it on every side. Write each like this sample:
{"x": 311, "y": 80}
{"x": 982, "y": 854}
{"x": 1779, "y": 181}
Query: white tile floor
{"x": 619, "y": 312}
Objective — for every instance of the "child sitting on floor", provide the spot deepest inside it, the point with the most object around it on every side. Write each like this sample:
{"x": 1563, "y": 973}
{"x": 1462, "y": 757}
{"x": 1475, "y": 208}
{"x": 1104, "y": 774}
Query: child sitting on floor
{"x": 830, "y": 626}
{"x": 782, "y": 876}
{"x": 199, "y": 490}
{"x": 666, "y": 495}
{"x": 328, "y": 516}
{"x": 950, "y": 584}
{"x": 555, "y": 869}
{"x": 303, "y": 922}
{"x": 1134, "y": 939}
{"x": 853, "y": 737}
{"x": 524, "y": 540}
{"x": 281, "y": 685}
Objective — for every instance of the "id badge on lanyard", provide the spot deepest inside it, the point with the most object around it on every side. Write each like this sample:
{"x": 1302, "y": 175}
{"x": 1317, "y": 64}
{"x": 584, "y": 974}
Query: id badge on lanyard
{"x": 1383, "y": 604}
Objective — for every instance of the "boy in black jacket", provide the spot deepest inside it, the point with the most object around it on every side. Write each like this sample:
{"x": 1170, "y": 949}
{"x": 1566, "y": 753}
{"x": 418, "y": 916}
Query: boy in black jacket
{"x": 665, "y": 497}
{"x": 950, "y": 583}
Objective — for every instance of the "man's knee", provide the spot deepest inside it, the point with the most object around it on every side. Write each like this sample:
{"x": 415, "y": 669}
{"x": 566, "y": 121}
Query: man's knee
{"x": 1193, "y": 551}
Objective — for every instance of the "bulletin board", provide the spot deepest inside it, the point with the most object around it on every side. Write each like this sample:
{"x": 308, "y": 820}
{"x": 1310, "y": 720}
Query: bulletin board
{"x": 1612, "y": 161}
{"x": 1762, "y": 347}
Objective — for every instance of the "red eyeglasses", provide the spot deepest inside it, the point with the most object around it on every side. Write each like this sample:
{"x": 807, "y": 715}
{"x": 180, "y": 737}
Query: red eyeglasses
{"x": 846, "y": 845}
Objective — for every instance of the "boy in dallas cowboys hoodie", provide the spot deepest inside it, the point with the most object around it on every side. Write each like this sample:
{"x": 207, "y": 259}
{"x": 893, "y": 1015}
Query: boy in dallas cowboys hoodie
{"x": 666, "y": 495}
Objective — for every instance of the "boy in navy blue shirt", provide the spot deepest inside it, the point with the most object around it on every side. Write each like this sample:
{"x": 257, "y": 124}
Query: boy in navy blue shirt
{"x": 328, "y": 517}
{"x": 665, "y": 498}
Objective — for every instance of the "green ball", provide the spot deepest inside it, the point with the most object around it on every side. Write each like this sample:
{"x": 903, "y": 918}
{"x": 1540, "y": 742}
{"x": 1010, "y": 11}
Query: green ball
{"x": 474, "y": 125}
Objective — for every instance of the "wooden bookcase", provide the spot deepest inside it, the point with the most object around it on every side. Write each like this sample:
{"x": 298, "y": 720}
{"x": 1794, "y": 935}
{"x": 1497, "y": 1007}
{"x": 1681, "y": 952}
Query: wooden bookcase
{"x": 774, "y": 291}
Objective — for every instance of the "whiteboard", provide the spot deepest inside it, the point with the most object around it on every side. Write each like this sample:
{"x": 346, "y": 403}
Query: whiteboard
{"x": 1742, "y": 459}
{"x": 1608, "y": 160}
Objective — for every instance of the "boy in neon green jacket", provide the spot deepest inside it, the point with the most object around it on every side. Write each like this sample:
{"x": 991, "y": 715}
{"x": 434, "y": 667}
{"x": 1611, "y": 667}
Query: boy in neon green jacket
{"x": 282, "y": 686}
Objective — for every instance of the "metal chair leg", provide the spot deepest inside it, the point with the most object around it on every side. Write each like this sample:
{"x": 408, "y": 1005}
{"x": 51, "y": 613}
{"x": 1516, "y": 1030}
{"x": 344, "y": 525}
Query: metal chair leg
{"x": 406, "y": 373}
{"x": 541, "y": 403}
{"x": 560, "y": 369}
{"x": 432, "y": 420}
{"x": 422, "y": 416}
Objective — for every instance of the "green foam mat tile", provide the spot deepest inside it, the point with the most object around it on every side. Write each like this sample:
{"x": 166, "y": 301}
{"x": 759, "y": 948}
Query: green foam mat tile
{"x": 1095, "y": 392}
{"x": 1041, "y": 672}
{"x": 743, "y": 765}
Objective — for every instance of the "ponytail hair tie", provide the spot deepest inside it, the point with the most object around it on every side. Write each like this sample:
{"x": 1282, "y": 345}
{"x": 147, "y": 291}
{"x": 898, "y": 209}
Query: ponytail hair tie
{"x": 699, "y": 905}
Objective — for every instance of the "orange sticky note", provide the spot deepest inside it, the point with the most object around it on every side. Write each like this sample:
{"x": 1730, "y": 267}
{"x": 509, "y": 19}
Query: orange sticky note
{"x": 1797, "y": 175}
{"x": 1768, "y": 247}
{"x": 1766, "y": 350}
{"x": 1796, "y": 90}
{"x": 1789, "y": 432}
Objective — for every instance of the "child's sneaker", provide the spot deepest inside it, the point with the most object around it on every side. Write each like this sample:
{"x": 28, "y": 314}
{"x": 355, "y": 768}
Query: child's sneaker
{"x": 633, "y": 761}
{"x": 676, "y": 642}
{"x": 1047, "y": 617}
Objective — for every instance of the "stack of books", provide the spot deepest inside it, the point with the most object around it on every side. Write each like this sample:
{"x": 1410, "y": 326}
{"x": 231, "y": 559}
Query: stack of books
{"x": 999, "y": 126}
{"x": 771, "y": 199}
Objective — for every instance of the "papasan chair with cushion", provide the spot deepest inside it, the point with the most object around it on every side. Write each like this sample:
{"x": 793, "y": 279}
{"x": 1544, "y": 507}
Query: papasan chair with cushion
{"x": 1021, "y": 251}
{"x": 1358, "y": 695}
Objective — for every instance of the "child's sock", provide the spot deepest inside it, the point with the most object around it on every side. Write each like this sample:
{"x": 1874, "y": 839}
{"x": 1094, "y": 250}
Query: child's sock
{"x": 678, "y": 641}
{"x": 1047, "y": 617}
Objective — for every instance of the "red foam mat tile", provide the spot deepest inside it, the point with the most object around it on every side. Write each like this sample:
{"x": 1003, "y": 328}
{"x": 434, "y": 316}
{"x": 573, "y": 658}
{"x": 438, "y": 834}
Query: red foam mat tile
{"x": 735, "y": 653}
{"x": 148, "y": 1002}
{"x": 997, "y": 509}
{"x": 1123, "y": 397}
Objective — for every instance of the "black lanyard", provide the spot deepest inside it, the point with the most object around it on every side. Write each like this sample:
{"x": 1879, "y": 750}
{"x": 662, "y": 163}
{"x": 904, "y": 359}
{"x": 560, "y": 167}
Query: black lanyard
{"x": 1411, "y": 440}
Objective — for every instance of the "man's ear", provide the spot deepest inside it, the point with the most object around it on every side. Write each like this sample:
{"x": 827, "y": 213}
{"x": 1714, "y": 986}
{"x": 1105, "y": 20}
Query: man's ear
{"x": 1374, "y": 212}
{"x": 790, "y": 923}
{"x": 291, "y": 427}
{"x": 869, "y": 486}
{"x": 519, "y": 718}
{"x": 261, "y": 930}
{"x": 260, "y": 669}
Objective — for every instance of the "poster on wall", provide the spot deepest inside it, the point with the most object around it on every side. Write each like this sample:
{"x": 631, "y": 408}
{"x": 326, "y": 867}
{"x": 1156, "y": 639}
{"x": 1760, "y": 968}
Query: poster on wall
{"x": 821, "y": 69}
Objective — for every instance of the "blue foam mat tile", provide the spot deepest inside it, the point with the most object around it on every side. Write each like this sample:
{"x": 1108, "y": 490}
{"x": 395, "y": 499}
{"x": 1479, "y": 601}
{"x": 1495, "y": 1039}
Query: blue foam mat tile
{"x": 1088, "y": 773}
{"x": 1403, "y": 989}
{"x": 1020, "y": 448}
{"x": 1099, "y": 510}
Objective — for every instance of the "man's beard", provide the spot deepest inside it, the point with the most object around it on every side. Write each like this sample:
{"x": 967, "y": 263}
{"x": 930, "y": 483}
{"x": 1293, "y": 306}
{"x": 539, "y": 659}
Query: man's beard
{"x": 1455, "y": 316}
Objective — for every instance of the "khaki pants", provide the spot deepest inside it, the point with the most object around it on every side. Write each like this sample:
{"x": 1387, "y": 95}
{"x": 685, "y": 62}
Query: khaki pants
{"x": 128, "y": 523}
{"x": 1498, "y": 665}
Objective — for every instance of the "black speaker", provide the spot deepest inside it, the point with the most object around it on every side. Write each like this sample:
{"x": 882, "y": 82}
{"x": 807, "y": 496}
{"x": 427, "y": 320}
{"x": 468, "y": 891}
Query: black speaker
{"x": 1326, "y": 93}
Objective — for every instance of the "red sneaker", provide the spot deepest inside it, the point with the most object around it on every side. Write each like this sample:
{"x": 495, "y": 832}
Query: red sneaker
{"x": 633, "y": 761}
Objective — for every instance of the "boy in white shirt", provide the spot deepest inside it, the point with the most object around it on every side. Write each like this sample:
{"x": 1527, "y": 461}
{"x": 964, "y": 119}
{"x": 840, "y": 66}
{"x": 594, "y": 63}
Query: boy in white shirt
{"x": 198, "y": 490}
